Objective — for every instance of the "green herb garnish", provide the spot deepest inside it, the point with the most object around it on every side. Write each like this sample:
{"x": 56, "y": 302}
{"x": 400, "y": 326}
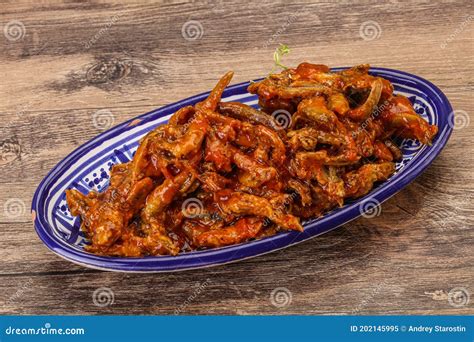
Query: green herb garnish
{"x": 279, "y": 53}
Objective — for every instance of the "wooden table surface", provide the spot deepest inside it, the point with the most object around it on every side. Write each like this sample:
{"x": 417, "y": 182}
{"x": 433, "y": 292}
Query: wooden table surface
{"x": 61, "y": 63}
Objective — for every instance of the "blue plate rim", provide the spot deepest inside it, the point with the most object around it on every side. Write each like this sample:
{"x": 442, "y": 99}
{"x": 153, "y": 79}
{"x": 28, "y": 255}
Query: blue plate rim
{"x": 219, "y": 256}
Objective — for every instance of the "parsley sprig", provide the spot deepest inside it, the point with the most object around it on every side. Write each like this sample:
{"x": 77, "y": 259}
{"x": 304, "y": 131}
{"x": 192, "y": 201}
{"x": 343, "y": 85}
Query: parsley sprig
{"x": 278, "y": 54}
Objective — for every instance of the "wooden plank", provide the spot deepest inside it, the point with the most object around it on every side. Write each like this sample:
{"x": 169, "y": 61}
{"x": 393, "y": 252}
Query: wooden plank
{"x": 347, "y": 268}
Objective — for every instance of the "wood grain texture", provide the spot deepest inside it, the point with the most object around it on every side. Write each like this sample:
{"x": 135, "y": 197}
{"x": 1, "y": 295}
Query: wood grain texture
{"x": 71, "y": 60}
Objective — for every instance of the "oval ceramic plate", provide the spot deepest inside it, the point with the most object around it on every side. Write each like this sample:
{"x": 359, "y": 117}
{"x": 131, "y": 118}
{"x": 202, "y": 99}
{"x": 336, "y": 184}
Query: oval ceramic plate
{"x": 87, "y": 168}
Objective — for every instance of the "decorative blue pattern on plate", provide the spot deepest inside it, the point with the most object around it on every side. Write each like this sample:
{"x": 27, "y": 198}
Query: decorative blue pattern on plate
{"x": 88, "y": 166}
